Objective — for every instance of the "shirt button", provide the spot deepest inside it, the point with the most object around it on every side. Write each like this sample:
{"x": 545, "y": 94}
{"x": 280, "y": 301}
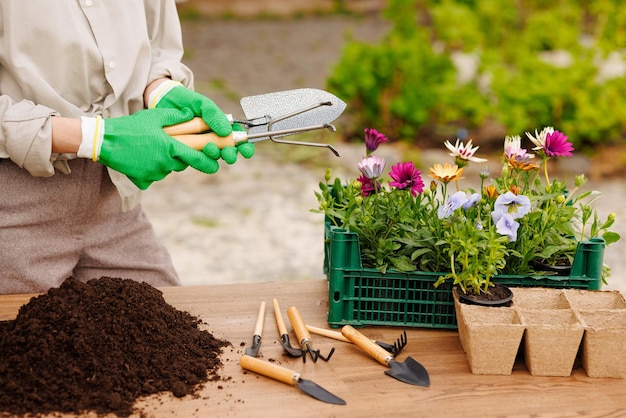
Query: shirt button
{"x": 88, "y": 3}
{"x": 111, "y": 64}
{"x": 106, "y": 113}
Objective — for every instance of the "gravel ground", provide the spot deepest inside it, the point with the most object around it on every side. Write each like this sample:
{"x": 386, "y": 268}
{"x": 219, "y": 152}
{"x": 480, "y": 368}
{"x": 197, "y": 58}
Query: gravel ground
{"x": 251, "y": 222}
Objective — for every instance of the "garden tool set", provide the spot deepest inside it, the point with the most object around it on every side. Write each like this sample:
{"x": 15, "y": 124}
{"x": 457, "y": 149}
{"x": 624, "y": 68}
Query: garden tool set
{"x": 408, "y": 371}
{"x": 270, "y": 116}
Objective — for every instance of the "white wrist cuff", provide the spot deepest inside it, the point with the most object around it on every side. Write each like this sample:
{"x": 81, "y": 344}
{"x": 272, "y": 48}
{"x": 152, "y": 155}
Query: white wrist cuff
{"x": 92, "y": 137}
{"x": 162, "y": 89}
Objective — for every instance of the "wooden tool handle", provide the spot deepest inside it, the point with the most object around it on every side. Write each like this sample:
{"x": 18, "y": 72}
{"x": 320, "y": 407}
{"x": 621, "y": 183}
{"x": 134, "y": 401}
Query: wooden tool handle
{"x": 193, "y": 126}
{"x": 298, "y": 325}
{"x": 280, "y": 322}
{"x": 193, "y": 133}
{"x": 268, "y": 369}
{"x": 365, "y": 344}
{"x": 328, "y": 333}
{"x": 258, "y": 328}
{"x": 199, "y": 141}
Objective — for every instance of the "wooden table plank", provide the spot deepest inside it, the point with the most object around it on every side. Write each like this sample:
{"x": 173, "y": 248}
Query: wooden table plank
{"x": 229, "y": 312}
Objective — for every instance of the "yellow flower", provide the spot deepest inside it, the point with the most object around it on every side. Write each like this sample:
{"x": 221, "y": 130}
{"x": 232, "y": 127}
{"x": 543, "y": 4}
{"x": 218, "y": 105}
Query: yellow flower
{"x": 491, "y": 192}
{"x": 520, "y": 164}
{"x": 445, "y": 173}
{"x": 515, "y": 189}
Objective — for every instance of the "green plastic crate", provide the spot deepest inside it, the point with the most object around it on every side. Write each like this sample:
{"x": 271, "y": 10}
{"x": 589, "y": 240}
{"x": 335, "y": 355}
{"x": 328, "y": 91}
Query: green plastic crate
{"x": 364, "y": 296}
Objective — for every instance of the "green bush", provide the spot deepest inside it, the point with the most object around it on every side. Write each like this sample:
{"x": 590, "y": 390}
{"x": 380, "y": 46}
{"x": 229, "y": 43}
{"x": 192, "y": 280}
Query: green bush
{"x": 408, "y": 86}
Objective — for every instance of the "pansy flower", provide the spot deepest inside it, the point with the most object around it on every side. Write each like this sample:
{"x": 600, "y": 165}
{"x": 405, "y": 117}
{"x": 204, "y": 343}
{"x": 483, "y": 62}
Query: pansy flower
{"x": 455, "y": 201}
{"x": 512, "y": 204}
{"x": 505, "y": 224}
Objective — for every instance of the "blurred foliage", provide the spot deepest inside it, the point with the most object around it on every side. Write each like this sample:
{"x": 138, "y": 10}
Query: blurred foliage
{"x": 537, "y": 64}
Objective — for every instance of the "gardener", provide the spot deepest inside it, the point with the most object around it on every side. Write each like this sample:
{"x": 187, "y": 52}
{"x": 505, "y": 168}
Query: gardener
{"x": 77, "y": 146}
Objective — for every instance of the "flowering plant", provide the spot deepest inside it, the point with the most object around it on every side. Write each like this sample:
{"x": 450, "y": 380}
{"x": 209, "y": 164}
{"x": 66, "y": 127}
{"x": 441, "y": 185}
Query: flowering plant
{"x": 470, "y": 235}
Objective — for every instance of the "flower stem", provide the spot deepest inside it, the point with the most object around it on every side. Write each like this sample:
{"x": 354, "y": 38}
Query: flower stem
{"x": 545, "y": 173}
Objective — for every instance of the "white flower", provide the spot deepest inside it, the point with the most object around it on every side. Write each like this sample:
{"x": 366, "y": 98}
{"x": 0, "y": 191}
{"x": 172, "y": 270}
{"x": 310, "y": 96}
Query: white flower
{"x": 540, "y": 137}
{"x": 513, "y": 148}
{"x": 464, "y": 151}
{"x": 372, "y": 167}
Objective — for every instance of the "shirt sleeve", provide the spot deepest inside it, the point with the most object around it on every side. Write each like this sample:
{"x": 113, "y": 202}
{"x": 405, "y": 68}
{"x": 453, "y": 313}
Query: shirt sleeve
{"x": 164, "y": 31}
{"x": 26, "y": 136}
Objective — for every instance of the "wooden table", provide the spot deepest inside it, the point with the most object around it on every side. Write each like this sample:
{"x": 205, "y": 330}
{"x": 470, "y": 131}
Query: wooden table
{"x": 231, "y": 310}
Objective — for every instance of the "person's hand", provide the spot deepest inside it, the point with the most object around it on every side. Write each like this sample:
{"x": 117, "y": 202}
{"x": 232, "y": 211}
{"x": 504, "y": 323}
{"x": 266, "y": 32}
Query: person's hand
{"x": 137, "y": 146}
{"x": 173, "y": 95}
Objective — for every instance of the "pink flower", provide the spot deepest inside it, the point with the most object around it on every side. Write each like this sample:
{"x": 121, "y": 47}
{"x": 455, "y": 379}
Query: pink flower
{"x": 373, "y": 139}
{"x": 372, "y": 167}
{"x": 552, "y": 142}
{"x": 557, "y": 145}
{"x": 368, "y": 185}
{"x": 406, "y": 176}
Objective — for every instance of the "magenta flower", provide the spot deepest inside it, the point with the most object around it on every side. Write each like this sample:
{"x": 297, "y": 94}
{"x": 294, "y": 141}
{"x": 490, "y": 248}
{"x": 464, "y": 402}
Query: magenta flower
{"x": 406, "y": 176}
{"x": 373, "y": 139}
{"x": 557, "y": 145}
{"x": 368, "y": 185}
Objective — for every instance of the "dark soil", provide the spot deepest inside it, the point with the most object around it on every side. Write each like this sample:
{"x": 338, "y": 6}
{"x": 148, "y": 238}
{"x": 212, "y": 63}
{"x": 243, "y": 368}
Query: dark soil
{"x": 98, "y": 346}
{"x": 497, "y": 294}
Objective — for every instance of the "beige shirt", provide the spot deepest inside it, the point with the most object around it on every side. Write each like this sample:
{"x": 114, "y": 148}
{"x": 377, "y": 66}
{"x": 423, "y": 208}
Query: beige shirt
{"x": 77, "y": 58}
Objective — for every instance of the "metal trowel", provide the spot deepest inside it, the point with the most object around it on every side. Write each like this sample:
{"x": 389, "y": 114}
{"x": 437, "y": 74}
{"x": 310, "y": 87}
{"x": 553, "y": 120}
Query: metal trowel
{"x": 409, "y": 371}
{"x": 285, "y": 375}
{"x": 269, "y": 116}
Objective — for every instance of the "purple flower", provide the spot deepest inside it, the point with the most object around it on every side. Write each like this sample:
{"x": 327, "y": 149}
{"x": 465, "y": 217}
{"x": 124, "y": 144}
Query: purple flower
{"x": 514, "y": 205}
{"x": 505, "y": 224}
{"x": 454, "y": 202}
{"x": 557, "y": 145}
{"x": 368, "y": 185}
{"x": 473, "y": 199}
{"x": 373, "y": 139}
{"x": 406, "y": 176}
{"x": 372, "y": 167}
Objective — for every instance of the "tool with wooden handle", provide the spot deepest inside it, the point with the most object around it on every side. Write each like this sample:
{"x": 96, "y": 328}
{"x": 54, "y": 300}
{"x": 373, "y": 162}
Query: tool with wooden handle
{"x": 304, "y": 338}
{"x": 269, "y": 116}
{"x": 284, "y": 335}
{"x": 408, "y": 371}
{"x": 258, "y": 332}
{"x": 394, "y": 348}
{"x": 290, "y": 377}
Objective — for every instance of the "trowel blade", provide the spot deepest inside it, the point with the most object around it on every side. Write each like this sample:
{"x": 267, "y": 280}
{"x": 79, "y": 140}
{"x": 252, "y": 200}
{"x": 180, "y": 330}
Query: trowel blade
{"x": 279, "y": 104}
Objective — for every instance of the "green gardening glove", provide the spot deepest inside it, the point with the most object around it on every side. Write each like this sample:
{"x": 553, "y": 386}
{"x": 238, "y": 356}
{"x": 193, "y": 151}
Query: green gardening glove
{"x": 137, "y": 146}
{"x": 173, "y": 95}
{"x": 246, "y": 149}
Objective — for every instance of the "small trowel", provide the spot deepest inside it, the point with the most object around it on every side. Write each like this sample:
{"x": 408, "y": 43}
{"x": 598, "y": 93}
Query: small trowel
{"x": 290, "y": 377}
{"x": 408, "y": 371}
{"x": 269, "y": 116}
{"x": 258, "y": 332}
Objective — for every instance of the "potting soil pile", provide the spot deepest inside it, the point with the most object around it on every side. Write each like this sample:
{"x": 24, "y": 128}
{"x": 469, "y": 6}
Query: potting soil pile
{"x": 98, "y": 346}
